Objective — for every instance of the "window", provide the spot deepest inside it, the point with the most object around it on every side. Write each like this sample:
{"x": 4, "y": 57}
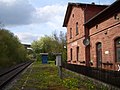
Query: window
{"x": 117, "y": 49}
{"x": 73, "y": 15}
{"x": 71, "y": 54}
{"x": 70, "y": 33}
{"x": 97, "y": 26}
{"x": 99, "y": 55}
{"x": 77, "y": 51}
{"x": 77, "y": 29}
{"x": 116, "y": 17}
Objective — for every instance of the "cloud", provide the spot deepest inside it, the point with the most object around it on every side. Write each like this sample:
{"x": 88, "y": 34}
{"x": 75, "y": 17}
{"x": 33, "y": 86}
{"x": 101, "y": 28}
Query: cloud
{"x": 24, "y": 19}
{"x": 15, "y": 12}
{"x": 51, "y": 16}
{"x": 48, "y": 13}
{"x": 22, "y": 12}
{"x": 101, "y": 2}
{"x": 26, "y": 37}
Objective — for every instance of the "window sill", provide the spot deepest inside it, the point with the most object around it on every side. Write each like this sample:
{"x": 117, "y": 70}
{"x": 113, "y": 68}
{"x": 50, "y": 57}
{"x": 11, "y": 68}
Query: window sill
{"x": 77, "y": 34}
{"x": 69, "y": 61}
{"x": 117, "y": 62}
{"x": 83, "y": 62}
{"x": 74, "y": 61}
{"x": 107, "y": 63}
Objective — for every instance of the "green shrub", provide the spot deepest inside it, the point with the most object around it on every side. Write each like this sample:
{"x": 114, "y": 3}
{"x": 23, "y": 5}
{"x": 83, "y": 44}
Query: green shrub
{"x": 70, "y": 83}
{"x": 11, "y": 50}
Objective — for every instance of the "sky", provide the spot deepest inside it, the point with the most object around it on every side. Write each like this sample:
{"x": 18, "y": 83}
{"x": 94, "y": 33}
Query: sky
{"x": 31, "y": 19}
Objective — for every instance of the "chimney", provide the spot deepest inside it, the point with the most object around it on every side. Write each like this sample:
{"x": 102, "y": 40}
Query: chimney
{"x": 93, "y": 3}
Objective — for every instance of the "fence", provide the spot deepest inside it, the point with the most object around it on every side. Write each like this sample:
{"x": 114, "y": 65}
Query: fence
{"x": 107, "y": 76}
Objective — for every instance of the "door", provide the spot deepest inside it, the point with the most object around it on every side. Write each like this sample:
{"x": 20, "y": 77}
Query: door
{"x": 117, "y": 49}
{"x": 44, "y": 59}
{"x": 99, "y": 55}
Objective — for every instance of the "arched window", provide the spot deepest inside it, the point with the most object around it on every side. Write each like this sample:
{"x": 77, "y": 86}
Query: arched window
{"x": 70, "y": 33}
{"x": 99, "y": 55}
{"x": 71, "y": 54}
{"x": 77, "y": 28}
{"x": 117, "y": 49}
{"x": 77, "y": 51}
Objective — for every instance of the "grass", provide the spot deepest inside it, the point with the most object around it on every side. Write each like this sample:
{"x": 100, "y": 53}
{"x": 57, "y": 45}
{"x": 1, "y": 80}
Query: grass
{"x": 45, "y": 77}
{"x": 81, "y": 82}
{"x": 40, "y": 77}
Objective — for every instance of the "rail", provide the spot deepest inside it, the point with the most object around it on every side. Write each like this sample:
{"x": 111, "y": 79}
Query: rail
{"x": 8, "y": 75}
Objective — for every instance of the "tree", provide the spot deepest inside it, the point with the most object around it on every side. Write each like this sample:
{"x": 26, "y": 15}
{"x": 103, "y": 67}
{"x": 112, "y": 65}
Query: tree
{"x": 11, "y": 50}
{"x": 43, "y": 45}
{"x": 51, "y": 44}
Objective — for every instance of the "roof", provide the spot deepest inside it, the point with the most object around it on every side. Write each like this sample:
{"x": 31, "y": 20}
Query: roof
{"x": 105, "y": 14}
{"x": 57, "y": 53}
{"x": 69, "y": 10}
{"x": 27, "y": 45}
{"x": 43, "y": 53}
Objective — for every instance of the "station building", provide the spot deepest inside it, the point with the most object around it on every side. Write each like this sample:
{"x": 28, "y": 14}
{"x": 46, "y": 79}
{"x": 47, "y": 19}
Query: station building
{"x": 93, "y": 35}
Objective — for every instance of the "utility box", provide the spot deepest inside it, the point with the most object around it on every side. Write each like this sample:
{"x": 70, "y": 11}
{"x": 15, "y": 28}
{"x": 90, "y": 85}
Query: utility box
{"x": 59, "y": 63}
{"x": 58, "y": 60}
{"x": 44, "y": 58}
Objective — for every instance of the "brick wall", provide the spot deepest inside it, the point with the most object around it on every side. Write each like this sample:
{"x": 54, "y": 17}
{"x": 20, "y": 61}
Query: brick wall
{"x": 77, "y": 15}
{"x": 105, "y": 33}
{"x": 76, "y": 40}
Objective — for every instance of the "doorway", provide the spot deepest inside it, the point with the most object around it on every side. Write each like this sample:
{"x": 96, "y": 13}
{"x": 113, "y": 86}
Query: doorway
{"x": 99, "y": 55}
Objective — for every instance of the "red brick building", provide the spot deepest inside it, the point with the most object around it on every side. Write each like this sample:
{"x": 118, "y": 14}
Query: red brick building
{"x": 93, "y": 36}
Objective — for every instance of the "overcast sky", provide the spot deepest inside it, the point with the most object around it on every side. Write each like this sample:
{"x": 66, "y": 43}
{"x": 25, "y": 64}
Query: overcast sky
{"x": 31, "y": 19}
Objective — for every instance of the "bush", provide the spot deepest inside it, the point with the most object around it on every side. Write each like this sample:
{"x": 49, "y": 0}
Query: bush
{"x": 11, "y": 50}
{"x": 51, "y": 57}
{"x": 38, "y": 57}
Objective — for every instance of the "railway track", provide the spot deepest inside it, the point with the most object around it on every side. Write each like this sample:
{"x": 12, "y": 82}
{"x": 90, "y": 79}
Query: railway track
{"x": 7, "y": 76}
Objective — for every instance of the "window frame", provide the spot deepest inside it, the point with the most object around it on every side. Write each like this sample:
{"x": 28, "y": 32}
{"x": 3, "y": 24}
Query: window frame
{"x": 77, "y": 32}
{"x": 70, "y": 33}
{"x": 99, "y": 55}
{"x": 116, "y": 47}
{"x": 71, "y": 52}
{"x": 77, "y": 53}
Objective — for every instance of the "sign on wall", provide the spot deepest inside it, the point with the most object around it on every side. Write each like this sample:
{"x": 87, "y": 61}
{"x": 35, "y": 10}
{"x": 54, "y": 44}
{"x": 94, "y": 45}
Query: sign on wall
{"x": 74, "y": 43}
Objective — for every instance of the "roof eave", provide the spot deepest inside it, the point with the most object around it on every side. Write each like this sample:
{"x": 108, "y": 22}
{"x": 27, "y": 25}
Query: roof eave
{"x": 68, "y": 11}
{"x": 103, "y": 14}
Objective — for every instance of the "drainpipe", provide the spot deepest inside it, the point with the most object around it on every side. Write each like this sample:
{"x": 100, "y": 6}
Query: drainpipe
{"x": 87, "y": 47}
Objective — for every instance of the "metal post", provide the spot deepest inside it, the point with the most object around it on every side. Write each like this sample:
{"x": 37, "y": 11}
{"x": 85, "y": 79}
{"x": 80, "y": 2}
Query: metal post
{"x": 59, "y": 65}
{"x": 60, "y": 71}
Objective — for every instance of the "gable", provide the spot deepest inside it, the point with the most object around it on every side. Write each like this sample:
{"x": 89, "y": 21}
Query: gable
{"x": 79, "y": 5}
{"x": 77, "y": 15}
{"x": 104, "y": 15}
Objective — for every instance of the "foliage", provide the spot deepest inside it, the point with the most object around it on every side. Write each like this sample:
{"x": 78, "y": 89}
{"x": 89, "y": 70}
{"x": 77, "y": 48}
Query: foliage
{"x": 42, "y": 77}
{"x": 51, "y": 57}
{"x": 45, "y": 77}
{"x": 51, "y": 44}
{"x": 79, "y": 81}
{"x": 70, "y": 83}
{"x": 30, "y": 54}
{"x": 11, "y": 50}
